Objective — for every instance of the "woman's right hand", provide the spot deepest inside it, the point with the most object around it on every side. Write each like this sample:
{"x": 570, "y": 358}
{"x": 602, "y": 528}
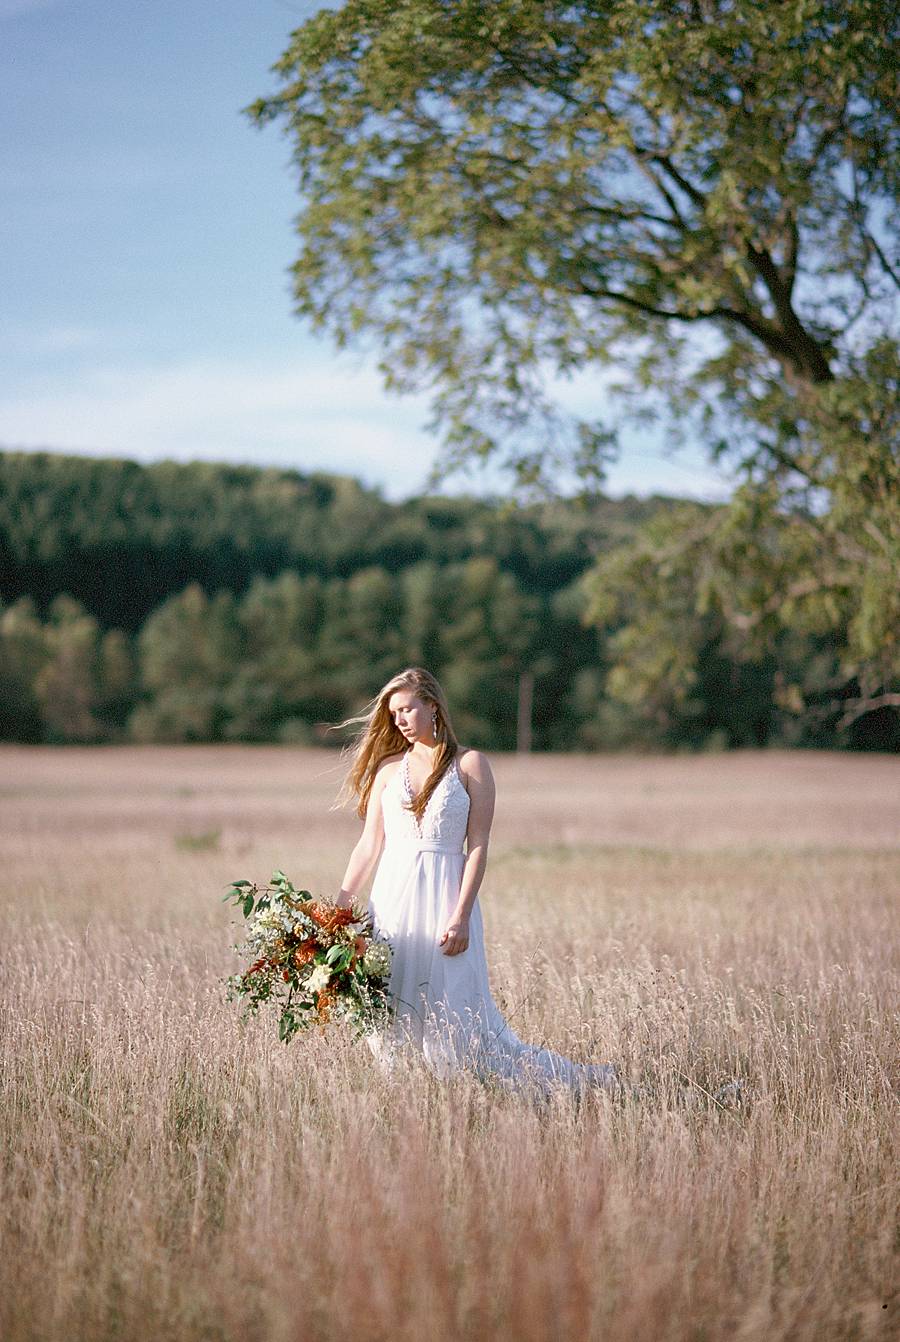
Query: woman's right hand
{"x": 456, "y": 936}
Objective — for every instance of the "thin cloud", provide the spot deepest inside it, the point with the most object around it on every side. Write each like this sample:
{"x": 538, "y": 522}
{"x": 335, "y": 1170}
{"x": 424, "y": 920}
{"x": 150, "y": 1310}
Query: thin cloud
{"x": 10, "y": 9}
{"x": 58, "y": 340}
{"x": 318, "y": 415}
{"x": 319, "y": 412}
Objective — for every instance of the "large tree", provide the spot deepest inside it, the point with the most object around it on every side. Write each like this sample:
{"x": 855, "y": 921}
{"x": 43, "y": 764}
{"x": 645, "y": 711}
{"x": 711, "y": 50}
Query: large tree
{"x": 696, "y": 192}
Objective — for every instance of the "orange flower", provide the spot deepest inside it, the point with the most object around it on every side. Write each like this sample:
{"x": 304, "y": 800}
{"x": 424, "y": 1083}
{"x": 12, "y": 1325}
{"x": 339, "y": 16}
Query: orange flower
{"x": 255, "y": 968}
{"x": 329, "y": 917}
{"x": 304, "y": 952}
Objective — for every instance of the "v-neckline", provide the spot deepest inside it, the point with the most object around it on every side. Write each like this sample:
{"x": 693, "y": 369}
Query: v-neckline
{"x": 407, "y": 784}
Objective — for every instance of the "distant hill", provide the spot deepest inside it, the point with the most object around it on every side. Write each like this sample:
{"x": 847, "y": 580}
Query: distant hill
{"x": 121, "y": 537}
{"x": 206, "y": 602}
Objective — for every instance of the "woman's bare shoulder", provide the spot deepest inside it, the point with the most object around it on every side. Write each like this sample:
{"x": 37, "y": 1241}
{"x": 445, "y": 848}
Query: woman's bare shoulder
{"x": 384, "y": 772}
{"x": 388, "y": 765}
{"x": 473, "y": 763}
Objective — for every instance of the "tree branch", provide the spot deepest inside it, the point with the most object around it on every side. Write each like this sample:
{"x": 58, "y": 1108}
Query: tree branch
{"x": 872, "y": 242}
{"x": 793, "y": 250}
{"x": 766, "y": 332}
{"x": 679, "y": 179}
{"x": 803, "y": 351}
{"x": 630, "y": 216}
{"x": 747, "y": 620}
{"x": 677, "y": 216}
{"x": 859, "y": 707}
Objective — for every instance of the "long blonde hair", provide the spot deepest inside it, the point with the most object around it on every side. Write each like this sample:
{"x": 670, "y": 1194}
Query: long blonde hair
{"x": 378, "y": 737}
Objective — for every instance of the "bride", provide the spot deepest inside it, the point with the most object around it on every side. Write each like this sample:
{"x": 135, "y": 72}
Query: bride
{"x": 428, "y": 804}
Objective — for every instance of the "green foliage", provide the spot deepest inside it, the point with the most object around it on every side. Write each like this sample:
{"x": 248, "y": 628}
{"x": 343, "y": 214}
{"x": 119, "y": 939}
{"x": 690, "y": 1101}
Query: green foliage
{"x": 763, "y": 611}
{"x": 121, "y": 538}
{"x": 703, "y": 626}
{"x": 302, "y": 650}
{"x": 501, "y": 192}
{"x": 23, "y": 648}
{"x": 694, "y": 191}
{"x": 188, "y": 651}
{"x": 63, "y": 679}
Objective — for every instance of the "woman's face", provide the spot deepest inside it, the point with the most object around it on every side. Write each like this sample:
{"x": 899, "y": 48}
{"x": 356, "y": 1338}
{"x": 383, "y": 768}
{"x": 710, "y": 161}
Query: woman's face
{"x": 411, "y": 715}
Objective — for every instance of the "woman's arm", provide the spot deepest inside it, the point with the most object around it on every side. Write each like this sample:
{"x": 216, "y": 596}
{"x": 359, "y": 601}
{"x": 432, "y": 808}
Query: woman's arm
{"x": 482, "y": 793}
{"x": 368, "y": 846}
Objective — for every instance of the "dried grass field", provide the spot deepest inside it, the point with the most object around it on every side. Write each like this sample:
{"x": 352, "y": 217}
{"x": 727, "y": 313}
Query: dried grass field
{"x": 175, "y": 1174}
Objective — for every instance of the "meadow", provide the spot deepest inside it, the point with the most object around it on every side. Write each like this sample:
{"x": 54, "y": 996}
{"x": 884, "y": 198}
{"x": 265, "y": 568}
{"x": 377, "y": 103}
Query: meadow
{"x": 170, "y": 1171}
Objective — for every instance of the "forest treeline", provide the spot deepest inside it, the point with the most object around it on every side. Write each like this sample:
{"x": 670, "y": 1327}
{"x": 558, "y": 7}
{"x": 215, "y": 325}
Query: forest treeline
{"x": 206, "y": 602}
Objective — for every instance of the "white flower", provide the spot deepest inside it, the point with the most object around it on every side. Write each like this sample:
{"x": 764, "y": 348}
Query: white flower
{"x": 377, "y": 959}
{"x": 318, "y": 979}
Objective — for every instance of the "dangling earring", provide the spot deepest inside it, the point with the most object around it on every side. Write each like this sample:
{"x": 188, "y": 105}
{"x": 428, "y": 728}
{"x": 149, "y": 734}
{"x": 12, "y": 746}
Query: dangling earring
{"x": 434, "y": 723}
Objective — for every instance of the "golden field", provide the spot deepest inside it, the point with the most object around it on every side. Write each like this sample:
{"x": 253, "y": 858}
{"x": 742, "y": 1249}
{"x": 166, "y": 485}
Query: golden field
{"x": 173, "y": 1173}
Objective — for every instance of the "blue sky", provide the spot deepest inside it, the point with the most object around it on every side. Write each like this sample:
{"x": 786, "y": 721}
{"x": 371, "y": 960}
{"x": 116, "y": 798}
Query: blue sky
{"x": 145, "y": 235}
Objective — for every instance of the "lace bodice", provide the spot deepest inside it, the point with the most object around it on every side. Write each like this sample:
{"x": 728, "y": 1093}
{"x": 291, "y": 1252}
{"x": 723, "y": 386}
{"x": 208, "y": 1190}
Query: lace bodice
{"x": 446, "y": 816}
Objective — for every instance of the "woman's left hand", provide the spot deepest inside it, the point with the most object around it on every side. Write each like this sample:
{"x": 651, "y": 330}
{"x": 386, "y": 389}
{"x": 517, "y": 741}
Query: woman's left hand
{"x": 456, "y": 937}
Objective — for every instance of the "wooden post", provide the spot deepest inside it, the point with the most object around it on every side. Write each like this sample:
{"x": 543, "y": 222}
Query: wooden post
{"x": 523, "y": 725}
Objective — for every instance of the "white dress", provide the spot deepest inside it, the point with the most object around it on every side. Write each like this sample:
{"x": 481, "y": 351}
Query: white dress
{"x": 442, "y": 1003}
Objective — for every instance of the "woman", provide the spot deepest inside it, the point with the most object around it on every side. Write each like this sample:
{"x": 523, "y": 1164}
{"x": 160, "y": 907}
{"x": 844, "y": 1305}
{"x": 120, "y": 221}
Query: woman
{"x": 422, "y": 797}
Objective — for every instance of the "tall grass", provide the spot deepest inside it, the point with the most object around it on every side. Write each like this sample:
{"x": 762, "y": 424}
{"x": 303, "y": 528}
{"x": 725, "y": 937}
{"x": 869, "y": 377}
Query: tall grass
{"x": 172, "y": 1172}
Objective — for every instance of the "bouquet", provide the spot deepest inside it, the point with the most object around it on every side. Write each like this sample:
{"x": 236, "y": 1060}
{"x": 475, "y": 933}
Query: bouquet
{"x": 312, "y": 960}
